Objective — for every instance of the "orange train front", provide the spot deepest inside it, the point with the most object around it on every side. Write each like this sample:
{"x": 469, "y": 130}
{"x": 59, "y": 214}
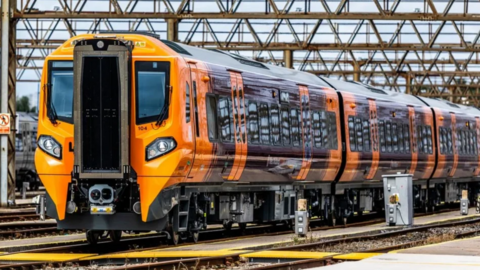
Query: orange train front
{"x": 141, "y": 134}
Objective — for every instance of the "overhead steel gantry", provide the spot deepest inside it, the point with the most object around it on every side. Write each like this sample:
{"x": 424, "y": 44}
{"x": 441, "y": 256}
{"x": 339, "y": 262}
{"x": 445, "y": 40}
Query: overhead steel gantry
{"x": 424, "y": 47}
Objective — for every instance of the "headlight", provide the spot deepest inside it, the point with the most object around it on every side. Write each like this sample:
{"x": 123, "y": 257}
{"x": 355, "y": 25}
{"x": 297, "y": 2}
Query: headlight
{"x": 50, "y": 146}
{"x": 160, "y": 147}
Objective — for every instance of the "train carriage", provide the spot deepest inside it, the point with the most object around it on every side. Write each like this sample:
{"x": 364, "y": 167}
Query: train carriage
{"x": 138, "y": 134}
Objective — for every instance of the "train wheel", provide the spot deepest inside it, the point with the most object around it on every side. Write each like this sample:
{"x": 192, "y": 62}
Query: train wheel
{"x": 227, "y": 225}
{"x": 92, "y": 237}
{"x": 115, "y": 236}
{"x": 195, "y": 236}
{"x": 175, "y": 238}
{"x": 243, "y": 227}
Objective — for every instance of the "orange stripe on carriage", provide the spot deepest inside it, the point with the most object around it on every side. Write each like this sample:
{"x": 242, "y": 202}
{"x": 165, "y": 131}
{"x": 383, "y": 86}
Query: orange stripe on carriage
{"x": 236, "y": 138}
{"x": 243, "y": 127}
{"x": 413, "y": 139}
{"x": 374, "y": 138}
{"x": 454, "y": 141}
{"x": 306, "y": 160}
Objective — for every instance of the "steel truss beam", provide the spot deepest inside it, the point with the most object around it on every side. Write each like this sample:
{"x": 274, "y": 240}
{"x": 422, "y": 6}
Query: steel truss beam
{"x": 418, "y": 46}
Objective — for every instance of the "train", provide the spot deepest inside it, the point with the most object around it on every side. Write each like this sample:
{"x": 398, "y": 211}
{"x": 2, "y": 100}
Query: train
{"x": 136, "y": 133}
{"x": 25, "y": 146}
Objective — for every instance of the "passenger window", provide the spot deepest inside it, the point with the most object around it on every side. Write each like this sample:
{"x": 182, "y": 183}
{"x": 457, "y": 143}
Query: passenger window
{"x": 317, "y": 132}
{"x": 472, "y": 151}
{"x": 326, "y": 127}
{"x": 224, "y": 119}
{"x": 264, "y": 124}
{"x": 400, "y": 138}
{"x": 295, "y": 124}
{"x": 285, "y": 126}
{"x": 406, "y": 137}
{"x": 474, "y": 138}
{"x": 441, "y": 138}
{"x": 351, "y": 133}
{"x": 449, "y": 141}
{"x": 419, "y": 139}
{"x": 425, "y": 139}
{"x": 332, "y": 131}
{"x": 358, "y": 134}
{"x": 253, "y": 135}
{"x": 394, "y": 138}
{"x": 381, "y": 133}
{"x": 470, "y": 142}
{"x": 429, "y": 140}
{"x": 211, "y": 118}
{"x": 187, "y": 102}
{"x": 388, "y": 135}
{"x": 459, "y": 141}
{"x": 275, "y": 124}
{"x": 366, "y": 135}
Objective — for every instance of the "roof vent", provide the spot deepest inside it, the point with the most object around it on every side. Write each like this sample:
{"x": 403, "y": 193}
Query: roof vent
{"x": 453, "y": 105}
{"x": 174, "y": 46}
{"x": 241, "y": 59}
{"x": 376, "y": 90}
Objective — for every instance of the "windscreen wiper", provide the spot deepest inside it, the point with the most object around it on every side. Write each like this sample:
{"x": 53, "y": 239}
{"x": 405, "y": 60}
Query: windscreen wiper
{"x": 52, "y": 115}
{"x": 164, "y": 111}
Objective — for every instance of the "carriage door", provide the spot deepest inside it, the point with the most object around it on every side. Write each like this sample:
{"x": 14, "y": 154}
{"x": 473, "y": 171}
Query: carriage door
{"x": 196, "y": 158}
{"x": 305, "y": 133}
{"x": 238, "y": 118}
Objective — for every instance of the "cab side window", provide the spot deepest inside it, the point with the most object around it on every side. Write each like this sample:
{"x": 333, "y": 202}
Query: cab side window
{"x": 187, "y": 102}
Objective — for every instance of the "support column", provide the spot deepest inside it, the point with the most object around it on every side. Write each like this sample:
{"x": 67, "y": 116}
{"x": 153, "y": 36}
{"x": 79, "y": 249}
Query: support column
{"x": 8, "y": 102}
{"x": 408, "y": 79}
{"x": 172, "y": 29}
{"x": 356, "y": 72}
{"x": 288, "y": 58}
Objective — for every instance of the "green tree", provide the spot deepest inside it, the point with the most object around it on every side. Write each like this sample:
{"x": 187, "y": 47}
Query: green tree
{"x": 23, "y": 104}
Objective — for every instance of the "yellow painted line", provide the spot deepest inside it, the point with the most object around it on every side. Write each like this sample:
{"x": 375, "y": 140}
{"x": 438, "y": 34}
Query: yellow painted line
{"x": 163, "y": 254}
{"x": 356, "y": 256}
{"x": 288, "y": 254}
{"x": 44, "y": 257}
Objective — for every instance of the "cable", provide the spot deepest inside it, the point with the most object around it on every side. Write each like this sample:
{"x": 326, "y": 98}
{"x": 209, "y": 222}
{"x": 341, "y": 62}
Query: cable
{"x": 400, "y": 213}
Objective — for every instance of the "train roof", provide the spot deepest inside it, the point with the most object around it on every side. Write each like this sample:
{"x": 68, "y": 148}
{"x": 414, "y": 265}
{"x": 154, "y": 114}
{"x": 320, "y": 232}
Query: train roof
{"x": 449, "y": 106}
{"x": 370, "y": 91}
{"x": 240, "y": 63}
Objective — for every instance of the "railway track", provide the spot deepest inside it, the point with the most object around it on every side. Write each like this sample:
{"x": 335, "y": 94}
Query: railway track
{"x": 233, "y": 258}
{"x": 149, "y": 241}
{"x": 145, "y": 242}
{"x": 10, "y": 217}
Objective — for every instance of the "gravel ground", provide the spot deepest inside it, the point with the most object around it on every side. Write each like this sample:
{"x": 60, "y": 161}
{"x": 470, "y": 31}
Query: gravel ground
{"x": 431, "y": 236}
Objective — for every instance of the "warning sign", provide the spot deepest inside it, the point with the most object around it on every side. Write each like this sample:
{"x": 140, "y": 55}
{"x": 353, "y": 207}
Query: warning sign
{"x": 4, "y": 123}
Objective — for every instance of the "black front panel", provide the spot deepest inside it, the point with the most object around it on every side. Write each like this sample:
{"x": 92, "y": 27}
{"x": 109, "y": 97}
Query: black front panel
{"x": 100, "y": 115}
